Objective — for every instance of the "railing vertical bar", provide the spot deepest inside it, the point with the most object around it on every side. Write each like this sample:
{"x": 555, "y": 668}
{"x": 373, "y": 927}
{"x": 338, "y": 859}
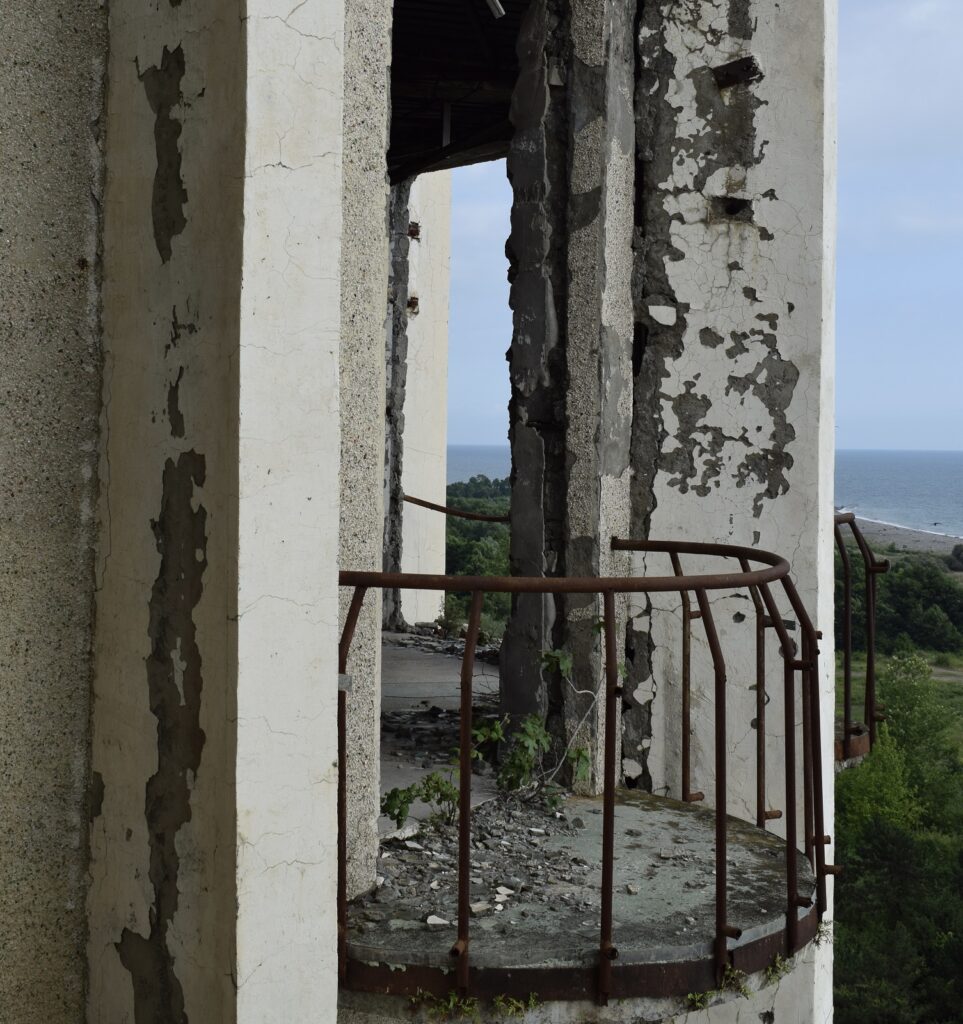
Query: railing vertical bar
{"x": 687, "y": 795}
{"x": 342, "y": 833}
{"x": 811, "y": 663}
{"x": 460, "y": 949}
{"x": 344, "y": 646}
{"x": 350, "y": 624}
{"x": 819, "y": 823}
{"x": 607, "y": 950}
{"x": 870, "y": 703}
{"x": 806, "y": 688}
{"x": 872, "y": 567}
{"x": 760, "y": 721}
{"x": 847, "y": 641}
{"x": 719, "y": 666}
{"x": 760, "y": 701}
{"x": 789, "y": 740}
{"x": 792, "y": 877}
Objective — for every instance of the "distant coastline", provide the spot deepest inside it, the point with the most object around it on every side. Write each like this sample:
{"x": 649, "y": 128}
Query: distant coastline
{"x": 880, "y": 535}
{"x": 911, "y": 499}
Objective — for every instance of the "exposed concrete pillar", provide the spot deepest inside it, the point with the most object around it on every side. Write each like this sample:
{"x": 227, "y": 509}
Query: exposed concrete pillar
{"x": 571, "y": 169}
{"x": 213, "y": 846}
{"x": 364, "y": 327}
{"x": 51, "y": 81}
{"x": 396, "y": 385}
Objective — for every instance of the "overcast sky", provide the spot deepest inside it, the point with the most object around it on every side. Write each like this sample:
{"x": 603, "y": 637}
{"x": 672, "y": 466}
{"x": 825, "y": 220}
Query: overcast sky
{"x": 900, "y": 284}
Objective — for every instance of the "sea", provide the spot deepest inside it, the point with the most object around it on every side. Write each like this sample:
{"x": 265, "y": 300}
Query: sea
{"x": 916, "y": 489}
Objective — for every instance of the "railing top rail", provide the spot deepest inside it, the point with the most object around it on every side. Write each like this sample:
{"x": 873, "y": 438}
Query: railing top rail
{"x": 872, "y": 563}
{"x": 458, "y": 513}
{"x": 774, "y": 568}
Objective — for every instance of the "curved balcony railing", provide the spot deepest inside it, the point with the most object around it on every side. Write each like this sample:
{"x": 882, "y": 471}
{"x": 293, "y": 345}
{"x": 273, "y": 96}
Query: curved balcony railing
{"x": 858, "y": 738}
{"x": 763, "y": 575}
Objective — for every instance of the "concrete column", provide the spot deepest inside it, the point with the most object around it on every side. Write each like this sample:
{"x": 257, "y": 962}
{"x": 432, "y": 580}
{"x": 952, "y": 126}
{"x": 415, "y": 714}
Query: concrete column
{"x": 733, "y": 430}
{"x": 51, "y": 81}
{"x": 396, "y": 387}
{"x": 572, "y": 171}
{"x": 733, "y": 405}
{"x": 364, "y": 327}
{"x": 213, "y": 845}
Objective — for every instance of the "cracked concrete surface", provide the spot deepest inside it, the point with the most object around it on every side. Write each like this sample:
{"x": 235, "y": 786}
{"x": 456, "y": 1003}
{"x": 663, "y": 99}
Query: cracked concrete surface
{"x": 364, "y": 327}
{"x": 730, "y": 434}
{"x": 51, "y": 167}
{"x": 571, "y": 170}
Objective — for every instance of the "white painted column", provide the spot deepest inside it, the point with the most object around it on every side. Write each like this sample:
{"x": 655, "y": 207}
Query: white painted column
{"x": 425, "y": 457}
{"x": 288, "y": 510}
{"x": 213, "y": 842}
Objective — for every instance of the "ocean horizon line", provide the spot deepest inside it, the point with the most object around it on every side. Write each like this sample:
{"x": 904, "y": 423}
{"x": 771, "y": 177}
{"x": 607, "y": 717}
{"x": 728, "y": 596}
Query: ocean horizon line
{"x": 885, "y": 451}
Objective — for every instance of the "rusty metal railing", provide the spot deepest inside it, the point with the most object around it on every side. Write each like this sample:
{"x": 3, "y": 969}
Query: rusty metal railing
{"x": 872, "y": 567}
{"x": 456, "y": 512}
{"x": 758, "y": 572}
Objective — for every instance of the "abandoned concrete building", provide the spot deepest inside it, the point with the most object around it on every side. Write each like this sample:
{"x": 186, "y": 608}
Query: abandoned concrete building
{"x": 224, "y": 292}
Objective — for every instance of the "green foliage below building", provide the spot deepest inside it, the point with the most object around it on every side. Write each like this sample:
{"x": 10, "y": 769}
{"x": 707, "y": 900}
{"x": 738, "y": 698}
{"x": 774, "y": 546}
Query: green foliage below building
{"x": 899, "y": 834}
{"x": 478, "y": 549}
{"x": 919, "y": 603}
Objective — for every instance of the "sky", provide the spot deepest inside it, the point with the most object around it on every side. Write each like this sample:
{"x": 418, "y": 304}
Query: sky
{"x": 899, "y": 381}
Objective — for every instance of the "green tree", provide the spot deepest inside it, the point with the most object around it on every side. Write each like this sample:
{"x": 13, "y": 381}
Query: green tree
{"x": 899, "y": 834}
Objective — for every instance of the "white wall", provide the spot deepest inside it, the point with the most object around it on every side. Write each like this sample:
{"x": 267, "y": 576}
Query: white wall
{"x": 426, "y": 397}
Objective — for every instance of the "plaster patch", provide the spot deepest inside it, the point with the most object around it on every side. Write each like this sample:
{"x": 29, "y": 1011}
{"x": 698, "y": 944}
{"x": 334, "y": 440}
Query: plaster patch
{"x": 174, "y": 684}
{"x": 665, "y": 315}
{"x": 163, "y": 87}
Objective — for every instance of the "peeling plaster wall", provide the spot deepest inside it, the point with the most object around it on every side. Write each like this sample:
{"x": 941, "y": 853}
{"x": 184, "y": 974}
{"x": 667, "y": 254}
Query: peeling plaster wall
{"x": 733, "y": 429}
{"x": 162, "y": 846}
{"x": 426, "y": 397}
{"x": 733, "y": 322}
{"x": 364, "y": 327}
{"x": 51, "y": 128}
{"x": 213, "y": 860}
{"x": 787, "y": 1001}
{"x": 572, "y": 171}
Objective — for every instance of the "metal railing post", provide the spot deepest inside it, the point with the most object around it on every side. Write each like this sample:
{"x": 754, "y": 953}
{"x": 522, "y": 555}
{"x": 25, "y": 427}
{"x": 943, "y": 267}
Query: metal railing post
{"x": 607, "y": 950}
{"x": 460, "y": 949}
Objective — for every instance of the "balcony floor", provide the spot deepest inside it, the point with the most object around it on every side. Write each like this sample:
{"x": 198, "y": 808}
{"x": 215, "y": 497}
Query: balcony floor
{"x": 547, "y": 862}
{"x": 664, "y": 887}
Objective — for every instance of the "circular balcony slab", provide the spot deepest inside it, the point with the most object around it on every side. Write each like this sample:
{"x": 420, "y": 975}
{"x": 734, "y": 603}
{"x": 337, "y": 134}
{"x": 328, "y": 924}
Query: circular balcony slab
{"x": 536, "y": 893}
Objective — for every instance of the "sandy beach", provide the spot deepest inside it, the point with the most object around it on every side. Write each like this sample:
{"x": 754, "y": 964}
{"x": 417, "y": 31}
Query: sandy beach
{"x": 881, "y": 534}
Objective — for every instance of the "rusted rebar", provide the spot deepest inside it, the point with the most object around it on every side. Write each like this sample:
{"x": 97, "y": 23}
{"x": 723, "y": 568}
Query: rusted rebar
{"x": 457, "y": 513}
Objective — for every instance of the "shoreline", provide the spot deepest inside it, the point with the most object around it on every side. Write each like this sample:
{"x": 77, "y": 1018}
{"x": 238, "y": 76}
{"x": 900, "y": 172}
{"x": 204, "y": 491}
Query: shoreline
{"x": 881, "y": 534}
